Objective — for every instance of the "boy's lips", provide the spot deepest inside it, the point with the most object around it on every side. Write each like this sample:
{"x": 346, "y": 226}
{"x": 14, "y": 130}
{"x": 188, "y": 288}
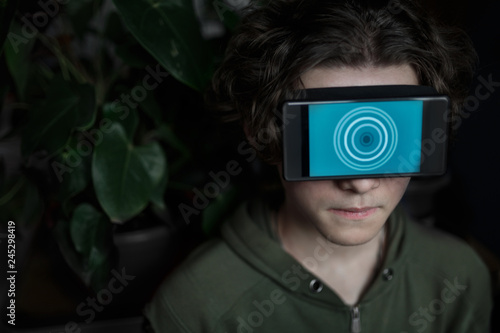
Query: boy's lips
{"x": 354, "y": 213}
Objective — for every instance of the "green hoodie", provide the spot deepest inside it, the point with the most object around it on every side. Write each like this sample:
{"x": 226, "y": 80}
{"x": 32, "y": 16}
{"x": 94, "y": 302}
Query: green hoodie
{"x": 246, "y": 283}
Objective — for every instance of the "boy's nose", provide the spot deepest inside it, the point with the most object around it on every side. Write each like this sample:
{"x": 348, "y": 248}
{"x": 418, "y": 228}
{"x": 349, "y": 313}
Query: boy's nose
{"x": 360, "y": 186}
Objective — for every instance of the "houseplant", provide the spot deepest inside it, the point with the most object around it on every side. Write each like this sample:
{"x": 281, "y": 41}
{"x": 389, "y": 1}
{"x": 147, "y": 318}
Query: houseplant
{"x": 97, "y": 98}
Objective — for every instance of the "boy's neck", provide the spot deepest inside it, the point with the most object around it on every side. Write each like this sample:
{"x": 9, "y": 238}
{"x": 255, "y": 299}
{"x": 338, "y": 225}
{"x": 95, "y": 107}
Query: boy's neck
{"x": 302, "y": 240}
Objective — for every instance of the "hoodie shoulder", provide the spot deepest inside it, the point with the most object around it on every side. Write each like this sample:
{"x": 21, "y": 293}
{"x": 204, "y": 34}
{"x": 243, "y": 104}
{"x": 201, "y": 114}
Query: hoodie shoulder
{"x": 443, "y": 252}
{"x": 201, "y": 290}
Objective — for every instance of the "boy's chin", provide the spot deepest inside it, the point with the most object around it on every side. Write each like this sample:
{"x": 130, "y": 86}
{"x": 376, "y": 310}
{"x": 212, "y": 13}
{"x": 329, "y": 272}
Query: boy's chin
{"x": 351, "y": 238}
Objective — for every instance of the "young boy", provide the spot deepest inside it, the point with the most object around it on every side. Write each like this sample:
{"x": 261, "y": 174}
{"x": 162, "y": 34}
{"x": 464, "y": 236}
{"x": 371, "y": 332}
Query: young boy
{"x": 337, "y": 255}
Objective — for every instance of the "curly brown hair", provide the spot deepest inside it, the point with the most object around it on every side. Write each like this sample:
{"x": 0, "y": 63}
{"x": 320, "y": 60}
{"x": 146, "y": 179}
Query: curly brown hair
{"x": 280, "y": 40}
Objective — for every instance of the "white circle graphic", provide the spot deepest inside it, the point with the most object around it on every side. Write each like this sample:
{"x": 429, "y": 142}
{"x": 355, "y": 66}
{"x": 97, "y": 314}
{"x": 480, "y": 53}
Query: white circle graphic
{"x": 365, "y": 138}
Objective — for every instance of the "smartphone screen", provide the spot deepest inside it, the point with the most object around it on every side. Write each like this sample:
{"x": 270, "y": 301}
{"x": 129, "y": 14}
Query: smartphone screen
{"x": 365, "y": 138}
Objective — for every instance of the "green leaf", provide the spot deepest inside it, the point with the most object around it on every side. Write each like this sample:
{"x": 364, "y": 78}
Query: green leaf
{"x": 170, "y": 31}
{"x": 153, "y": 160}
{"x": 157, "y": 197}
{"x": 68, "y": 106}
{"x": 18, "y": 60}
{"x": 124, "y": 115}
{"x": 7, "y": 10}
{"x": 89, "y": 232}
{"x": 125, "y": 176}
{"x": 21, "y": 202}
{"x": 72, "y": 169}
{"x": 63, "y": 238}
{"x": 87, "y": 229}
{"x": 74, "y": 182}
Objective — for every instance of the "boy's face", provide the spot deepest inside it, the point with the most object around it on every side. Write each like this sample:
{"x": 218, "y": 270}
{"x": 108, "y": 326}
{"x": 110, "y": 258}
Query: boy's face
{"x": 348, "y": 211}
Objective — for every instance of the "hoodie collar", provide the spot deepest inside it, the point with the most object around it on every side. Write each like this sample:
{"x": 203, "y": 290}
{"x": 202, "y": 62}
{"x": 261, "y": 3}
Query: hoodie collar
{"x": 250, "y": 234}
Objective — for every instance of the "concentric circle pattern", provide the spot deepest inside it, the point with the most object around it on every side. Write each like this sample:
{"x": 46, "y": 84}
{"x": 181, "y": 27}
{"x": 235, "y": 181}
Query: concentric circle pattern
{"x": 365, "y": 138}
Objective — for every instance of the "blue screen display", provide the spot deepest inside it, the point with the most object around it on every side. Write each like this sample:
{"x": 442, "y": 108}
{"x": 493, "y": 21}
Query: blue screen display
{"x": 363, "y": 138}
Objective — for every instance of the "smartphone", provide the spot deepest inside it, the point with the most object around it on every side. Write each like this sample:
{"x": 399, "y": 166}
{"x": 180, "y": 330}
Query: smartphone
{"x": 399, "y": 131}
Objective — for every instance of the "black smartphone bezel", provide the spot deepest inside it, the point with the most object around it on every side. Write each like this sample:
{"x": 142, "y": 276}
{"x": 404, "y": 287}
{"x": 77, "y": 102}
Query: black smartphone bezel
{"x": 296, "y": 131}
